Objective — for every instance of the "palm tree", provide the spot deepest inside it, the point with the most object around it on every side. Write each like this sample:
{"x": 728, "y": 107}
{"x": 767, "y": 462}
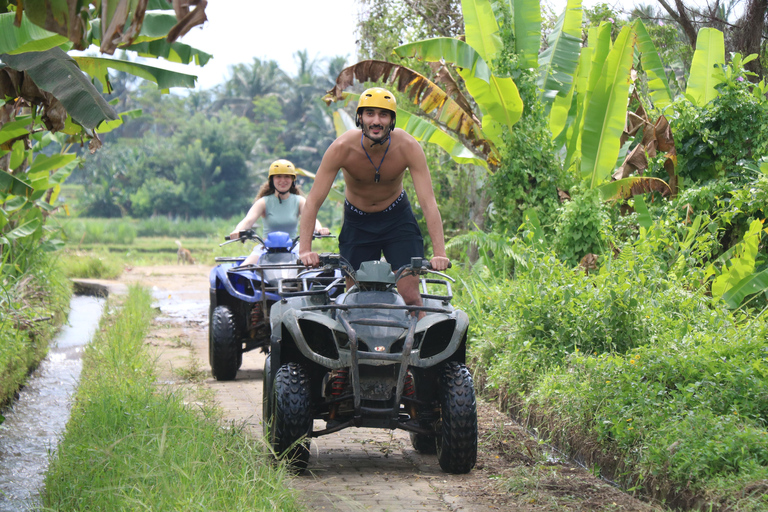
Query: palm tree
{"x": 249, "y": 81}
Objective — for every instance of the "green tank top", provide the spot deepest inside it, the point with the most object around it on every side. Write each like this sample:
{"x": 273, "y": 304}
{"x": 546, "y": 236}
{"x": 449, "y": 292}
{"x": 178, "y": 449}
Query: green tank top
{"x": 281, "y": 216}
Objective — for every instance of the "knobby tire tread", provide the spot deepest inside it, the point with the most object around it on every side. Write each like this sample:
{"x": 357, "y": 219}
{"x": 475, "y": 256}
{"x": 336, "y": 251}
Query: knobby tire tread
{"x": 293, "y": 416}
{"x": 457, "y": 438}
{"x": 225, "y": 353}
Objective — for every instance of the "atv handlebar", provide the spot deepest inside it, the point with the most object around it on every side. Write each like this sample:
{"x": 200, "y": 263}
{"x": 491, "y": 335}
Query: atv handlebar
{"x": 418, "y": 266}
{"x": 250, "y": 234}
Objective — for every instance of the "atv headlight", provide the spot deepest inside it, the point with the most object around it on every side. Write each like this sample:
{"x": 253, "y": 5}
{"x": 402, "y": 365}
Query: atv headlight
{"x": 319, "y": 338}
{"x": 437, "y": 338}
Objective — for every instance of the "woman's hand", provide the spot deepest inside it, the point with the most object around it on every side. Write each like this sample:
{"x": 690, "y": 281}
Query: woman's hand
{"x": 323, "y": 231}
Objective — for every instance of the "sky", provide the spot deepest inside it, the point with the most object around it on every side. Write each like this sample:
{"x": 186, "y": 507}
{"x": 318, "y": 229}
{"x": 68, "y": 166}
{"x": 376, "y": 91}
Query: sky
{"x": 239, "y": 30}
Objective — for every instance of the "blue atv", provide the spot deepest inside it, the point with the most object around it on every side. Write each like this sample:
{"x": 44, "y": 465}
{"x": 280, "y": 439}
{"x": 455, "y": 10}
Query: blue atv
{"x": 241, "y": 297}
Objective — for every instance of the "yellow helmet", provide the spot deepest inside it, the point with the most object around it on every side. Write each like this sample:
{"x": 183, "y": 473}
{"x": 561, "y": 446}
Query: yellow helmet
{"x": 377, "y": 97}
{"x": 282, "y": 167}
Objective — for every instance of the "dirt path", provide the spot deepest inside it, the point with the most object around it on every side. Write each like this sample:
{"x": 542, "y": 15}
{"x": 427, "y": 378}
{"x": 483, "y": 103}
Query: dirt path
{"x": 369, "y": 469}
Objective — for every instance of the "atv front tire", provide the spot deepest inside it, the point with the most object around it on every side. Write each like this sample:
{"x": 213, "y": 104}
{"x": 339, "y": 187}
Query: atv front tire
{"x": 225, "y": 351}
{"x": 457, "y": 428}
{"x": 291, "y": 415}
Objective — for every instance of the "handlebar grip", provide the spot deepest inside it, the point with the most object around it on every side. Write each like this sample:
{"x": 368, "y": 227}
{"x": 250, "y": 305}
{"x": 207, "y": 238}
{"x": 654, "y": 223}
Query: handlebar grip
{"x": 226, "y": 237}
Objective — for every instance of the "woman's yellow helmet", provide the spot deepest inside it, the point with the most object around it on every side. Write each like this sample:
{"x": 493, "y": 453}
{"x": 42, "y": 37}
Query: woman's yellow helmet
{"x": 282, "y": 167}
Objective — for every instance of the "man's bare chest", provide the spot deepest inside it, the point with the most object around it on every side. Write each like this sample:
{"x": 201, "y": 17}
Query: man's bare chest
{"x": 364, "y": 167}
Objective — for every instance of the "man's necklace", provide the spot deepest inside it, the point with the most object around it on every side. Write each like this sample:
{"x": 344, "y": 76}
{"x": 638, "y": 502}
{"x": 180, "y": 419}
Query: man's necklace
{"x": 389, "y": 141}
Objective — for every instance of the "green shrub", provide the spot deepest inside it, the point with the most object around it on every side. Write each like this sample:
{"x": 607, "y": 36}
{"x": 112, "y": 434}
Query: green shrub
{"x": 632, "y": 362}
{"x": 712, "y": 139}
{"x": 581, "y": 227}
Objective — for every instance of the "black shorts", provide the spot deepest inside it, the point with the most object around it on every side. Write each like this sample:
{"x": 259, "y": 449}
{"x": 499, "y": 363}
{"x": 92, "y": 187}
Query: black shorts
{"x": 392, "y": 232}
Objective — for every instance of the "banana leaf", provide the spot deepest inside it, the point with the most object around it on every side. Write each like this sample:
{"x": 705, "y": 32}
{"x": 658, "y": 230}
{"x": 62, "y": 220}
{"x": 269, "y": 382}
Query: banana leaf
{"x": 108, "y": 126}
{"x": 98, "y": 68}
{"x": 739, "y": 270}
{"x": 26, "y": 38}
{"x": 172, "y": 52}
{"x": 496, "y": 95}
{"x": 343, "y": 122}
{"x": 44, "y": 163}
{"x": 557, "y": 64}
{"x": 750, "y": 285}
{"x": 11, "y": 185}
{"x": 606, "y": 112}
{"x": 644, "y": 218}
{"x": 562, "y": 112}
{"x": 481, "y": 29}
{"x": 658, "y": 84}
{"x": 152, "y": 43}
{"x": 57, "y": 73}
{"x": 710, "y": 53}
{"x": 28, "y": 228}
{"x": 575, "y": 120}
{"x": 14, "y": 130}
{"x": 527, "y": 20}
{"x": 525, "y": 16}
{"x": 631, "y": 187}
{"x": 428, "y": 132}
{"x": 56, "y": 16}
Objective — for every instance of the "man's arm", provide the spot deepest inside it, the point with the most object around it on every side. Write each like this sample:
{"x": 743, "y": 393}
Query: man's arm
{"x": 422, "y": 182}
{"x": 326, "y": 173}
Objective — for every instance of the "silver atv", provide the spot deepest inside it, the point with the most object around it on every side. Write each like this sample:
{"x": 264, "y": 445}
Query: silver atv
{"x": 362, "y": 358}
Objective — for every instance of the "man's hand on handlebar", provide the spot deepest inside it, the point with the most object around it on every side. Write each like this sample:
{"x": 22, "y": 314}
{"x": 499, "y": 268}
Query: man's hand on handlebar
{"x": 440, "y": 263}
{"x": 310, "y": 259}
{"x": 322, "y": 231}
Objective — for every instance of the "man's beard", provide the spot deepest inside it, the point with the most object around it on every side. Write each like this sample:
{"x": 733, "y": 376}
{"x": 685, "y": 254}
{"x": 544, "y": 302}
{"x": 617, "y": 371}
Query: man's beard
{"x": 382, "y": 137}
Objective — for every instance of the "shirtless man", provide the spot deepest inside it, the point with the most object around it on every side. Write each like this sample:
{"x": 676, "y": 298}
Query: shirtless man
{"x": 377, "y": 214}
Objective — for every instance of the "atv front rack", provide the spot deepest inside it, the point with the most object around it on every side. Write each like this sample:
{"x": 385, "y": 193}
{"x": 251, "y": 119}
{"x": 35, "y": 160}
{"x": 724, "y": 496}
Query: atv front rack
{"x": 325, "y": 285}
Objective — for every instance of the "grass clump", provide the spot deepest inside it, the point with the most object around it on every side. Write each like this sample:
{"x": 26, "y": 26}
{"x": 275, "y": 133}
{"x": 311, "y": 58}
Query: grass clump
{"x": 90, "y": 265}
{"x": 130, "y": 445}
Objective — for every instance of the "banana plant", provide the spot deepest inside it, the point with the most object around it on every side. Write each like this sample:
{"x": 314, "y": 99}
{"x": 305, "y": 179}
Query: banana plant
{"x": 40, "y": 78}
{"x": 706, "y": 67}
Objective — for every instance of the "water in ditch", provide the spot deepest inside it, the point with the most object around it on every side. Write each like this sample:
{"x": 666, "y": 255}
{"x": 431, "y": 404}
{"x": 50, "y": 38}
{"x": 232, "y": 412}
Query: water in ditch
{"x": 35, "y": 422}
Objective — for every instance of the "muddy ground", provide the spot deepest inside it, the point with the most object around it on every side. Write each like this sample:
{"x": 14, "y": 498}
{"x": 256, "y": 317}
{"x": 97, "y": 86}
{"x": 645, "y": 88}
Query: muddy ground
{"x": 368, "y": 469}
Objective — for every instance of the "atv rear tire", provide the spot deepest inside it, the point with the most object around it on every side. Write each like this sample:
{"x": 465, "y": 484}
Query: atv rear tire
{"x": 226, "y": 352}
{"x": 291, "y": 415}
{"x": 457, "y": 428}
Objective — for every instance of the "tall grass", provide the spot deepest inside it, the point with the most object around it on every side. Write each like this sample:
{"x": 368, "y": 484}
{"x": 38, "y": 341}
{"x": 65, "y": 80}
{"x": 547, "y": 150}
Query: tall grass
{"x": 133, "y": 445}
{"x": 123, "y": 231}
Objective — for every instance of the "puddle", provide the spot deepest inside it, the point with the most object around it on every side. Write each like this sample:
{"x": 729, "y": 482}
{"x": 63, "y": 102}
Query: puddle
{"x": 35, "y": 422}
{"x": 181, "y": 307}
